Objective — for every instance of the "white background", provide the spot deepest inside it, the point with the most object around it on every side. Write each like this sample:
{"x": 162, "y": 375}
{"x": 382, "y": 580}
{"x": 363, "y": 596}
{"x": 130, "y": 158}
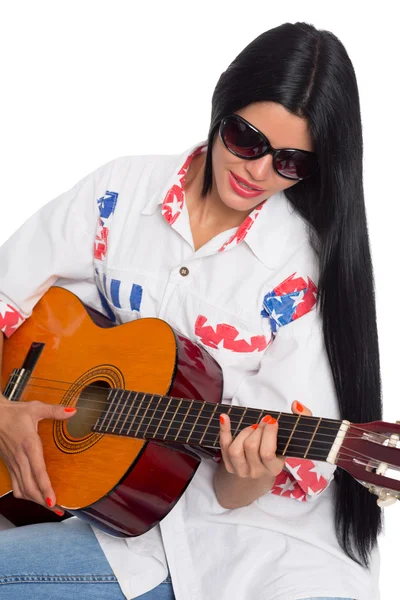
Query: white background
{"x": 85, "y": 82}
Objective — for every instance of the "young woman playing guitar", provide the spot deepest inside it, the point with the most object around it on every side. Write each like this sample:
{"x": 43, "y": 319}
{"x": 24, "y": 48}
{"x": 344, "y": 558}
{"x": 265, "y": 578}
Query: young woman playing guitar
{"x": 253, "y": 244}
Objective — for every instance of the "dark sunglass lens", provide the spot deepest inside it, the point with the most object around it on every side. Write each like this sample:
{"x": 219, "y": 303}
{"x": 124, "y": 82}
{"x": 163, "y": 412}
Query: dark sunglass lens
{"x": 242, "y": 139}
{"x": 296, "y": 165}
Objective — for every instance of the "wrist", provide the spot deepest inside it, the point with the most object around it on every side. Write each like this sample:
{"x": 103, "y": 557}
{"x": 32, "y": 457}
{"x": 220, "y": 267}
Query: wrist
{"x": 233, "y": 491}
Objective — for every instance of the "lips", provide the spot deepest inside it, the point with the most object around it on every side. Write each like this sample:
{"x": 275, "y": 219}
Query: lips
{"x": 241, "y": 180}
{"x": 241, "y": 190}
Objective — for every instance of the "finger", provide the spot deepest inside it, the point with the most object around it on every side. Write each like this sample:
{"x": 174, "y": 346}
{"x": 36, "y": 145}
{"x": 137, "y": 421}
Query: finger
{"x": 225, "y": 440}
{"x": 268, "y": 447}
{"x": 42, "y": 410}
{"x": 39, "y": 472}
{"x": 15, "y": 486}
{"x": 251, "y": 446}
{"x": 300, "y": 409}
{"x": 237, "y": 452}
{"x": 30, "y": 488}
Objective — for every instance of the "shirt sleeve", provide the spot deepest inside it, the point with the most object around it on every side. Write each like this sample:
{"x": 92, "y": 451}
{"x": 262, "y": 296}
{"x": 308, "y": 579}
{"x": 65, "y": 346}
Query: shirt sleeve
{"x": 295, "y": 366}
{"x": 54, "y": 243}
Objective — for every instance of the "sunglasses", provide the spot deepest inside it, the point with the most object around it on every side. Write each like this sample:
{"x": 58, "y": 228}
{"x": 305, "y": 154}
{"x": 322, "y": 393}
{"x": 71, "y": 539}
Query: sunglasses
{"x": 245, "y": 141}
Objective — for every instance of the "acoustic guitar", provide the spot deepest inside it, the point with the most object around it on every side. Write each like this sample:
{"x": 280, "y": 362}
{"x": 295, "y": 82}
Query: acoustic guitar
{"x": 148, "y": 403}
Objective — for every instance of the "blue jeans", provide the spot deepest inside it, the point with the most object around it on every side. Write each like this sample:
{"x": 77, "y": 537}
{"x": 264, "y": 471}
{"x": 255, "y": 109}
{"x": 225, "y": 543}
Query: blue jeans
{"x": 50, "y": 561}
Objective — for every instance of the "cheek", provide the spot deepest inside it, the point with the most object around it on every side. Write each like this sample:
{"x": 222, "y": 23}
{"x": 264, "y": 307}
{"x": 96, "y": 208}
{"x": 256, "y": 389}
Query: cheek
{"x": 282, "y": 183}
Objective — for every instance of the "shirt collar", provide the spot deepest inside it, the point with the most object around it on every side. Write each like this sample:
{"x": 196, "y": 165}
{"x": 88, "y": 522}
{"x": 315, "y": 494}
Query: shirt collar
{"x": 277, "y": 232}
{"x": 272, "y": 231}
{"x": 173, "y": 183}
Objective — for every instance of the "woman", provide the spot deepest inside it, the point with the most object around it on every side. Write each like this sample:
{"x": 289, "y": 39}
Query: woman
{"x": 261, "y": 255}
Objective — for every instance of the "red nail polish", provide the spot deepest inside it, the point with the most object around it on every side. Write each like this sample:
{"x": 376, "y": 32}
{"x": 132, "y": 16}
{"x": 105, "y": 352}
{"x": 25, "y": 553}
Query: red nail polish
{"x": 68, "y": 410}
{"x": 298, "y": 406}
{"x": 49, "y": 502}
{"x": 221, "y": 419}
{"x": 272, "y": 421}
{"x": 254, "y": 426}
{"x": 267, "y": 419}
{"x": 59, "y": 513}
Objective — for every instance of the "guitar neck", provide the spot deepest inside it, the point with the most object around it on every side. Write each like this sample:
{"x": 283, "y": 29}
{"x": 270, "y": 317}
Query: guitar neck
{"x": 197, "y": 423}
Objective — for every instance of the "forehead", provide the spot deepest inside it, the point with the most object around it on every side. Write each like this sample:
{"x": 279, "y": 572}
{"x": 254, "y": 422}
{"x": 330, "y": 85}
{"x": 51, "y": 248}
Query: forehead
{"x": 282, "y": 128}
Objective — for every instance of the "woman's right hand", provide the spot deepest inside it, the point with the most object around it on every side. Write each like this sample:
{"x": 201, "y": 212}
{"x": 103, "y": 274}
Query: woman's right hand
{"x": 22, "y": 451}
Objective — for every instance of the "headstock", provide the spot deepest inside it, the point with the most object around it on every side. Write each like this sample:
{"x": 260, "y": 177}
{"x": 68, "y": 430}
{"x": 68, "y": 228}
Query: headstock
{"x": 367, "y": 452}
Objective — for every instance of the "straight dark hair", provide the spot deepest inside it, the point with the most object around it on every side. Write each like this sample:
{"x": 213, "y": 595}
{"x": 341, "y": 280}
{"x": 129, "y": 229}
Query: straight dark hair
{"x": 310, "y": 73}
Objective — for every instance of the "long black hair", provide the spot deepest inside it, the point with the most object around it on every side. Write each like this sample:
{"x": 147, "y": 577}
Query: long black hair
{"x": 310, "y": 73}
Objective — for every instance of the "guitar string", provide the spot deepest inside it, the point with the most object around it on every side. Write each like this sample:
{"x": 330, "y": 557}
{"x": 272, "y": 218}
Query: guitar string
{"x": 372, "y": 462}
{"x": 377, "y": 435}
{"x": 161, "y": 408}
{"x": 184, "y": 430}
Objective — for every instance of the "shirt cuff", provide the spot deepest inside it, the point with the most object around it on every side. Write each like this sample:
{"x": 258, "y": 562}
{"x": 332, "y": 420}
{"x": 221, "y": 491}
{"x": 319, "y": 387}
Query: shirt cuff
{"x": 10, "y": 319}
{"x": 300, "y": 480}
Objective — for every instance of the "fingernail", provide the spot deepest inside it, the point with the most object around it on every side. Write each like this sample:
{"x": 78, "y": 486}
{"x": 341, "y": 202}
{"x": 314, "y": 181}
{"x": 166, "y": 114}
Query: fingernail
{"x": 272, "y": 421}
{"x": 254, "y": 426}
{"x": 267, "y": 419}
{"x": 68, "y": 410}
{"x": 49, "y": 502}
{"x": 298, "y": 406}
{"x": 59, "y": 513}
{"x": 221, "y": 419}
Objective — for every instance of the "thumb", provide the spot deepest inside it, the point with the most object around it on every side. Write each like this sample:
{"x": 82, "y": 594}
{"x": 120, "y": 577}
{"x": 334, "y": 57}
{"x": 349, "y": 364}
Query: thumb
{"x": 55, "y": 411}
{"x": 300, "y": 409}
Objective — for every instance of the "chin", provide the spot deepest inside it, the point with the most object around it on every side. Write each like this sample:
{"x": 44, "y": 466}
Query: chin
{"x": 235, "y": 202}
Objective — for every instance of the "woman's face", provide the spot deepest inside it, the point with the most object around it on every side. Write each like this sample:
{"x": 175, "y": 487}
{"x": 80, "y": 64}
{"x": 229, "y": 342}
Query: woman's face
{"x": 283, "y": 130}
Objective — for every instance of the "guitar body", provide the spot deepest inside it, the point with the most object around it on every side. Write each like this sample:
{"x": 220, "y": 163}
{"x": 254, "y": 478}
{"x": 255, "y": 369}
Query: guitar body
{"x": 121, "y": 485}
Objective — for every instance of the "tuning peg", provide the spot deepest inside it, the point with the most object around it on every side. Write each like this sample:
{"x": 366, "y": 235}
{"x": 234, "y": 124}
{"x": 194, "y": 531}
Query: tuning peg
{"x": 385, "y": 499}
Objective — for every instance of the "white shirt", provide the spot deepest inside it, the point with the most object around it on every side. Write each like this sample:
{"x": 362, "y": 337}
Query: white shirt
{"x": 118, "y": 239}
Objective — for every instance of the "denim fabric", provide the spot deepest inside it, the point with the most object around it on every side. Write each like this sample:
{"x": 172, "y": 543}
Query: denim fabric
{"x": 54, "y": 561}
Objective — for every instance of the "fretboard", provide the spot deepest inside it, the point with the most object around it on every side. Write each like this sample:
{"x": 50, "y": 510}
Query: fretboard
{"x": 197, "y": 423}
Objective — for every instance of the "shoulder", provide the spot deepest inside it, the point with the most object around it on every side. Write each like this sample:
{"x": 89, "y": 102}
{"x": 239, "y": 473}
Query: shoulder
{"x": 132, "y": 181}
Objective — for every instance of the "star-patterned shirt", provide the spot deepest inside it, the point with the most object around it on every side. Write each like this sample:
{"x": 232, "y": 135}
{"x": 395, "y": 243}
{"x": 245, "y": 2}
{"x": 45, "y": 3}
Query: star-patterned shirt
{"x": 120, "y": 239}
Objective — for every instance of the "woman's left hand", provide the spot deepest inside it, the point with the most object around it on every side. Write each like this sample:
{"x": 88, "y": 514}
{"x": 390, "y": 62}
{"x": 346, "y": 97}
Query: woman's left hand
{"x": 253, "y": 452}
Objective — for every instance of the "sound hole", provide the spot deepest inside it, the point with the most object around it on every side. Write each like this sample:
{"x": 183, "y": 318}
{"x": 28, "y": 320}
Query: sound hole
{"x": 91, "y": 404}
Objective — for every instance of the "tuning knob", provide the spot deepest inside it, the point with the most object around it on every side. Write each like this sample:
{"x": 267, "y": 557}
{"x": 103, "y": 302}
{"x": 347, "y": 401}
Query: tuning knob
{"x": 385, "y": 499}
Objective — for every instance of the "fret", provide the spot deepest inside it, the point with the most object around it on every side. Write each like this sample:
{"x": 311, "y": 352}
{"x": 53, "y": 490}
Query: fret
{"x": 312, "y": 438}
{"x": 166, "y": 423}
{"x": 153, "y": 420}
{"x": 234, "y": 433}
{"x": 193, "y": 422}
{"x": 290, "y": 437}
{"x": 215, "y": 443}
{"x": 120, "y": 411}
{"x": 141, "y": 419}
{"x": 111, "y": 397}
{"x": 210, "y": 420}
{"x": 184, "y": 419}
{"x": 138, "y": 403}
{"x": 187, "y": 417}
{"x": 131, "y": 404}
{"x": 169, "y": 406}
{"x": 171, "y": 423}
{"x": 198, "y": 430}
{"x": 324, "y": 438}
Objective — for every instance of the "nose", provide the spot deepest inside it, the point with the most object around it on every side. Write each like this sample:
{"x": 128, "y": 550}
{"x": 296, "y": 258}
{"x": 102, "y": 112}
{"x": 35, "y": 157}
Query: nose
{"x": 261, "y": 168}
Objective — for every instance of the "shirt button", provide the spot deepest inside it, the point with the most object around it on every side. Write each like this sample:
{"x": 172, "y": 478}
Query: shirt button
{"x": 184, "y": 271}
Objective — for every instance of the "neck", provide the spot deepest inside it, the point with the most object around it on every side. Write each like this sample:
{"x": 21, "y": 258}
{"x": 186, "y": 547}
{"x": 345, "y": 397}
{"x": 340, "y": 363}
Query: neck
{"x": 209, "y": 212}
{"x": 193, "y": 422}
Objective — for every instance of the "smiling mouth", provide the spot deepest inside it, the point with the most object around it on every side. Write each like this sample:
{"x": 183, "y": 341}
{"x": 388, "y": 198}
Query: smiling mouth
{"x": 247, "y": 185}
